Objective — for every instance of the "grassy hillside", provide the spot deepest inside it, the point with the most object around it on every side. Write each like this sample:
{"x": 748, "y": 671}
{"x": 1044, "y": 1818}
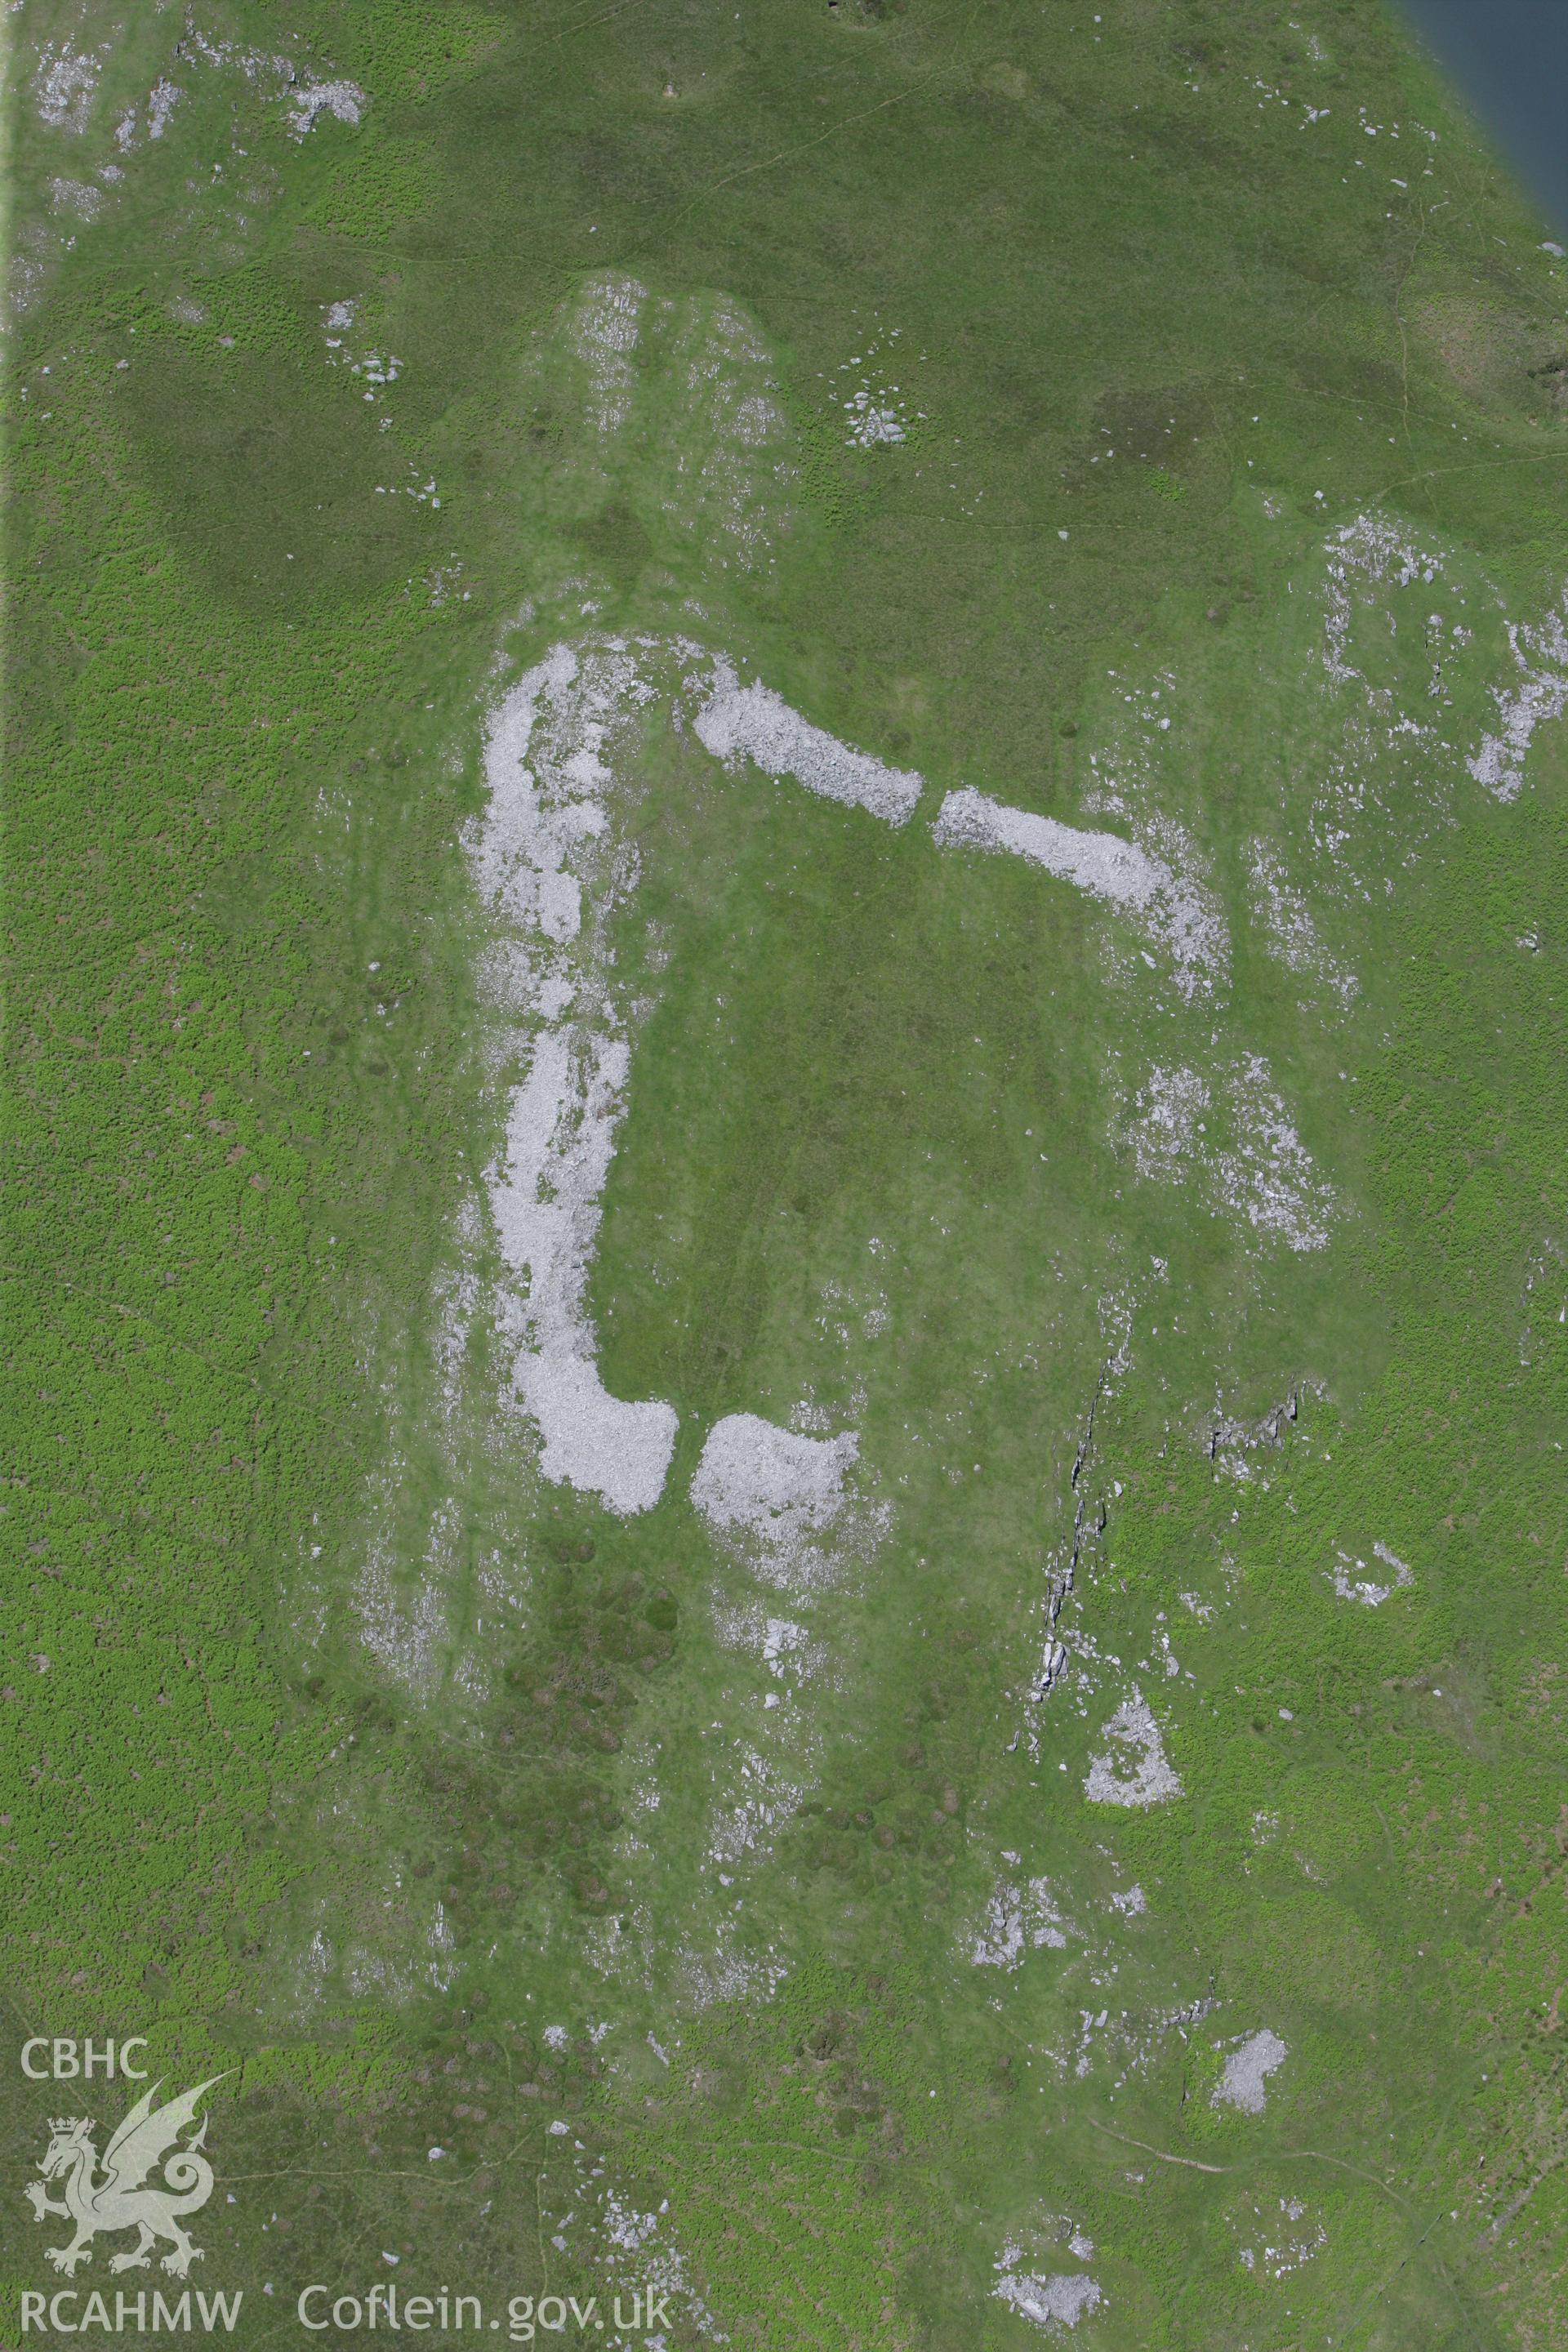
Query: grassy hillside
{"x": 750, "y": 1929}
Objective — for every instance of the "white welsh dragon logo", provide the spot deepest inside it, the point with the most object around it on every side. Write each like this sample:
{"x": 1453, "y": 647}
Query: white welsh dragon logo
{"x": 117, "y": 2198}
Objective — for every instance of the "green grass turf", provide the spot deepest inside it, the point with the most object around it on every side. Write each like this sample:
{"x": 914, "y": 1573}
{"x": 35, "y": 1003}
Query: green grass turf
{"x": 244, "y": 691}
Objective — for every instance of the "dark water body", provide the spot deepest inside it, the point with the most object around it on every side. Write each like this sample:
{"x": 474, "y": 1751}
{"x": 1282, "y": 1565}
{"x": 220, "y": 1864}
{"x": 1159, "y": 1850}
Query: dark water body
{"x": 1509, "y": 58}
